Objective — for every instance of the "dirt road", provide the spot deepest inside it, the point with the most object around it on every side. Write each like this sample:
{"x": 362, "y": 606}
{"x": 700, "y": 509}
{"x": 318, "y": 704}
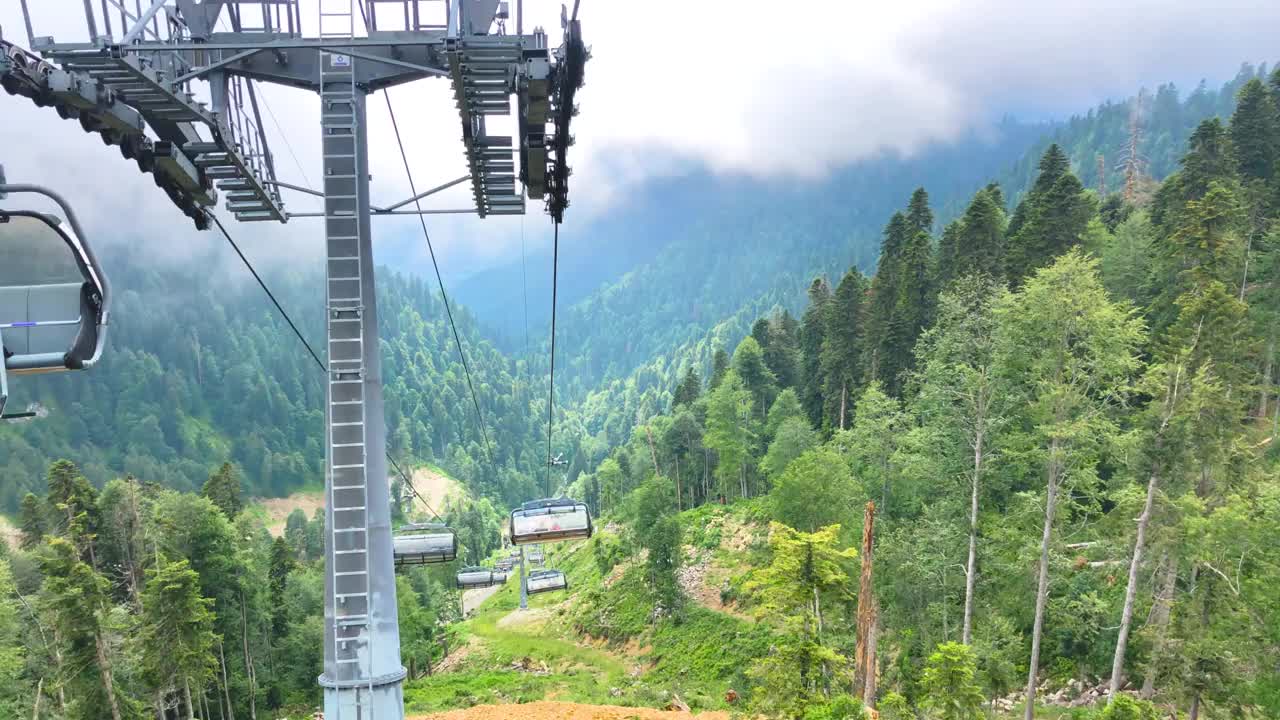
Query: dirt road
{"x": 565, "y": 711}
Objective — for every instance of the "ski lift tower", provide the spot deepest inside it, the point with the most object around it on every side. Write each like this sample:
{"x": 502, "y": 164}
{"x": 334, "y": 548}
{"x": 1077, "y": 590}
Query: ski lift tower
{"x": 130, "y": 81}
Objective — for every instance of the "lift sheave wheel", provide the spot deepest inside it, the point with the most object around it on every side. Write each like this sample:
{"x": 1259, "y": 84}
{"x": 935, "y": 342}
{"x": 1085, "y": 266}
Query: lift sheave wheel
{"x": 53, "y": 295}
{"x": 551, "y": 520}
{"x": 425, "y": 544}
{"x": 541, "y": 581}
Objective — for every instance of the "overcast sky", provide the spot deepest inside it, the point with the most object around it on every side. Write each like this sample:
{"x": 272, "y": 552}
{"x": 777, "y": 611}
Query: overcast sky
{"x": 748, "y": 87}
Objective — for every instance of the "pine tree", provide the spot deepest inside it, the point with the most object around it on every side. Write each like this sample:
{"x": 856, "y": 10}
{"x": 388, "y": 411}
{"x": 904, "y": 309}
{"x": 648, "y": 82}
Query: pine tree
{"x": 176, "y": 638}
{"x": 282, "y": 563}
{"x": 919, "y": 216}
{"x": 1255, "y": 132}
{"x": 813, "y": 332}
{"x": 77, "y": 598}
{"x": 32, "y": 522}
{"x": 1050, "y": 219}
{"x": 719, "y": 366}
{"x": 688, "y": 390}
{"x": 949, "y": 248}
{"x": 782, "y": 352}
{"x": 223, "y": 488}
{"x": 842, "y": 350}
{"x": 980, "y": 246}
{"x": 748, "y": 362}
{"x": 912, "y": 312}
{"x": 883, "y": 300}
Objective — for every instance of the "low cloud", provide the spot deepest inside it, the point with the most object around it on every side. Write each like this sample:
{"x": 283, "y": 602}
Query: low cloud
{"x": 755, "y": 88}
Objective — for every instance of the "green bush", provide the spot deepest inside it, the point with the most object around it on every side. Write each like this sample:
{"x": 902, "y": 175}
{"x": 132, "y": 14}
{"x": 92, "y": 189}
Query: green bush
{"x": 840, "y": 707}
{"x": 1124, "y": 707}
{"x": 894, "y": 706}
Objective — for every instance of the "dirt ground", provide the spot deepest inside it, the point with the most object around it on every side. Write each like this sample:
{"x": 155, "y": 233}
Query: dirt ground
{"x": 8, "y": 533}
{"x": 432, "y": 485}
{"x": 565, "y": 711}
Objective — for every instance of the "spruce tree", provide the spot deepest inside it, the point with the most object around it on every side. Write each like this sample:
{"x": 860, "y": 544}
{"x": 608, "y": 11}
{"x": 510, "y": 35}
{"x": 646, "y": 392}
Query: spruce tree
{"x": 282, "y": 563}
{"x": 782, "y": 352}
{"x": 1255, "y": 132}
{"x": 919, "y": 216}
{"x": 948, "y": 249}
{"x": 32, "y": 522}
{"x": 748, "y": 361}
{"x": 719, "y": 366}
{"x": 911, "y": 313}
{"x": 1049, "y": 220}
{"x": 223, "y": 488}
{"x": 688, "y": 390}
{"x": 980, "y": 246}
{"x": 813, "y": 331}
{"x": 176, "y": 637}
{"x": 842, "y": 349}
{"x": 883, "y": 300}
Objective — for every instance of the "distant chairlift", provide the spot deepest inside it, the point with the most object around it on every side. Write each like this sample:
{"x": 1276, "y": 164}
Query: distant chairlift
{"x": 550, "y": 520}
{"x": 541, "y": 581}
{"x": 472, "y": 578}
{"x": 54, "y": 297}
{"x": 424, "y": 544}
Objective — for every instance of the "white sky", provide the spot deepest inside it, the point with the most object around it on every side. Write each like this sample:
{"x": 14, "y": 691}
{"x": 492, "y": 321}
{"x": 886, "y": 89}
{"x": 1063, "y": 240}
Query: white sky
{"x": 765, "y": 89}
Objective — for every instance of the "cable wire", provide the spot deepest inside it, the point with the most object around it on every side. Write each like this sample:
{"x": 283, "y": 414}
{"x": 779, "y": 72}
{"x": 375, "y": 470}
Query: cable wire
{"x": 457, "y": 339}
{"x": 262, "y": 284}
{"x": 551, "y": 391}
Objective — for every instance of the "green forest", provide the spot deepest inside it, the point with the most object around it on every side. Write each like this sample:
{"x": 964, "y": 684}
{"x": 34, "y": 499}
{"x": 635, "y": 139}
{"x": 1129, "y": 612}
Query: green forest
{"x": 1054, "y": 398}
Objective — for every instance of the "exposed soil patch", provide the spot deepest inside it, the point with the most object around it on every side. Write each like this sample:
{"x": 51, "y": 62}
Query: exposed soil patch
{"x": 566, "y": 711}
{"x": 432, "y": 486}
{"x": 9, "y": 533}
{"x": 278, "y": 509}
{"x": 472, "y": 599}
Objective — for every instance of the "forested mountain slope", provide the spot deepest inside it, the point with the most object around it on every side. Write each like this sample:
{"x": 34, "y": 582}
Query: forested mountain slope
{"x": 664, "y": 303}
{"x": 201, "y": 369}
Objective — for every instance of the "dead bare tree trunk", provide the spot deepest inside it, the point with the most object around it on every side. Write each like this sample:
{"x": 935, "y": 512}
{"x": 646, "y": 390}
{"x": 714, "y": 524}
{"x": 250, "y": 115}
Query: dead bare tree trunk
{"x": 1160, "y": 618}
{"x": 679, "y": 491}
{"x": 844, "y": 393}
{"x": 35, "y": 714}
{"x": 873, "y": 640}
{"x": 971, "y": 567}
{"x": 226, "y": 691}
{"x": 1042, "y": 586}
{"x": 104, "y": 671}
{"x": 186, "y": 696}
{"x": 1131, "y": 591}
{"x": 1264, "y": 394}
{"x": 250, "y": 672}
{"x": 862, "y": 656}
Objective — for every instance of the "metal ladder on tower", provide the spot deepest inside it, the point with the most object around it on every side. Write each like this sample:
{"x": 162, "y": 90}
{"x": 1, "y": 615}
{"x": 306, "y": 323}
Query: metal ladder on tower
{"x": 348, "y": 486}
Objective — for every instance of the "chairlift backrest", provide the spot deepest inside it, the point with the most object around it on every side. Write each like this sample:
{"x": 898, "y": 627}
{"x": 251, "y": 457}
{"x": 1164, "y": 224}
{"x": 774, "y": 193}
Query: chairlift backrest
{"x": 424, "y": 545}
{"x": 53, "y": 295}
{"x": 546, "y": 581}
{"x": 476, "y": 577}
{"x": 550, "y": 520}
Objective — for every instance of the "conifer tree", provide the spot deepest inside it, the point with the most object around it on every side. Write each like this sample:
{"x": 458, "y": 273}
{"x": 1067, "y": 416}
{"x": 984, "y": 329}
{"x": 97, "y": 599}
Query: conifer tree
{"x": 782, "y": 352}
{"x": 719, "y": 366}
{"x": 919, "y": 215}
{"x": 74, "y": 506}
{"x": 883, "y": 300}
{"x": 813, "y": 332}
{"x": 748, "y": 362}
{"x": 688, "y": 390}
{"x": 842, "y": 350}
{"x": 912, "y": 312}
{"x": 176, "y": 638}
{"x": 1050, "y": 219}
{"x": 31, "y": 522}
{"x": 980, "y": 246}
{"x": 1255, "y": 132}
{"x": 223, "y": 488}
{"x": 948, "y": 250}
{"x": 282, "y": 563}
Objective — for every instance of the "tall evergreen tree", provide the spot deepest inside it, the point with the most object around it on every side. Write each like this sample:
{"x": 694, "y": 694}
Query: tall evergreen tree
{"x": 813, "y": 331}
{"x": 1255, "y": 132}
{"x": 912, "y": 312}
{"x": 176, "y": 637}
{"x": 919, "y": 215}
{"x": 688, "y": 390}
{"x": 31, "y": 522}
{"x": 719, "y": 366}
{"x": 842, "y": 349}
{"x": 1050, "y": 219}
{"x": 748, "y": 361}
{"x": 282, "y": 563}
{"x": 782, "y": 352}
{"x": 883, "y": 300}
{"x": 223, "y": 488}
{"x": 980, "y": 246}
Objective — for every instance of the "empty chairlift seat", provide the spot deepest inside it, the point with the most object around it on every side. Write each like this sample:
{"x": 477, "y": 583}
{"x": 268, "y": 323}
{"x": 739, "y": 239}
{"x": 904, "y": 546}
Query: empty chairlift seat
{"x": 52, "y": 296}
{"x": 425, "y": 544}
{"x": 550, "y": 520}
{"x": 541, "y": 581}
{"x": 470, "y": 578}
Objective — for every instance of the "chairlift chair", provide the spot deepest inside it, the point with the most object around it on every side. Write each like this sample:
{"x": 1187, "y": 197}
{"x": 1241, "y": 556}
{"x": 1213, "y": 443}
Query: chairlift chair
{"x": 424, "y": 544}
{"x": 541, "y": 581}
{"x": 550, "y": 520}
{"x": 471, "y": 578}
{"x": 54, "y": 297}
